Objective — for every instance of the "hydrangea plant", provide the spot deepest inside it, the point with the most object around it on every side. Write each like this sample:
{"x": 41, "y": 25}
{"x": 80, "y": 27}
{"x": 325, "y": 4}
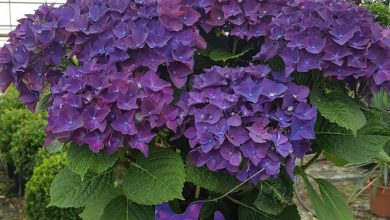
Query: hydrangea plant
{"x": 201, "y": 101}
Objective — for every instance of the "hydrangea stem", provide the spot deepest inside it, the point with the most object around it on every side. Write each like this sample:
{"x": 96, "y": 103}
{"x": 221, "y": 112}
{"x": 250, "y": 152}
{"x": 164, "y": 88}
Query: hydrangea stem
{"x": 197, "y": 192}
{"x": 312, "y": 160}
{"x": 234, "y": 50}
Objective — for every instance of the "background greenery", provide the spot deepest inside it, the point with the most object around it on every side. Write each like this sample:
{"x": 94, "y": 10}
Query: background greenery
{"x": 38, "y": 189}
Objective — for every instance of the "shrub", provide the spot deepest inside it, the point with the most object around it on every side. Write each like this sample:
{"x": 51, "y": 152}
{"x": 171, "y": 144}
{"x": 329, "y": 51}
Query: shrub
{"x": 10, "y": 120}
{"x": 9, "y": 100}
{"x": 26, "y": 141}
{"x": 381, "y": 12}
{"x": 38, "y": 188}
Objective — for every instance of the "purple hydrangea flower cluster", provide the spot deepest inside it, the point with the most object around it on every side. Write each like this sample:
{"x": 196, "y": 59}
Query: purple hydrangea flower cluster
{"x": 337, "y": 37}
{"x": 141, "y": 33}
{"x": 245, "y": 119}
{"x": 34, "y": 48}
{"x": 101, "y": 107}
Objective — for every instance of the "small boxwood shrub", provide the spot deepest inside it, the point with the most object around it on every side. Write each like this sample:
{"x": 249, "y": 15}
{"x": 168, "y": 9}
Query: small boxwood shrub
{"x": 21, "y": 133}
{"x": 37, "y": 194}
{"x": 9, "y": 100}
{"x": 25, "y": 143}
{"x": 21, "y": 136}
{"x": 380, "y": 11}
{"x": 10, "y": 121}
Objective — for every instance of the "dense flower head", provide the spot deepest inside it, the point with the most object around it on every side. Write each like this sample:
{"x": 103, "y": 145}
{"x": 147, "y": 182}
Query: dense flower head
{"x": 102, "y": 107}
{"x": 245, "y": 119}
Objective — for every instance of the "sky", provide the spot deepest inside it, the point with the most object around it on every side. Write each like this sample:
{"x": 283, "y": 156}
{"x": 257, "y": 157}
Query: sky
{"x": 12, "y": 10}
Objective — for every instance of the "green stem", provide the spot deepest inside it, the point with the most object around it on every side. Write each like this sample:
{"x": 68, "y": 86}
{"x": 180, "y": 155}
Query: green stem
{"x": 197, "y": 192}
{"x": 312, "y": 160}
{"x": 234, "y": 46}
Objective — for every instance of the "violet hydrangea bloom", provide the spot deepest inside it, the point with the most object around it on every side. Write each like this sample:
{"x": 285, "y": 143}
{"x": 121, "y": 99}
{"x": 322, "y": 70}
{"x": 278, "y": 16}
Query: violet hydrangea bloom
{"x": 109, "y": 107}
{"x": 244, "y": 124}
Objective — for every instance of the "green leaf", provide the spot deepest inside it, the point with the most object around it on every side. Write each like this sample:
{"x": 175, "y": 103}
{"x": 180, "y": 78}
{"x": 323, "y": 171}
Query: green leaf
{"x": 387, "y": 148}
{"x": 383, "y": 157}
{"x": 43, "y": 103}
{"x": 207, "y": 211}
{"x": 221, "y": 54}
{"x": 274, "y": 195}
{"x": 55, "y": 147}
{"x": 363, "y": 147}
{"x": 290, "y": 213}
{"x": 215, "y": 181}
{"x": 120, "y": 208}
{"x": 158, "y": 178}
{"x": 339, "y": 108}
{"x": 329, "y": 204}
{"x": 218, "y": 48}
{"x": 332, "y": 197}
{"x": 95, "y": 208}
{"x": 334, "y": 159}
{"x": 322, "y": 210}
{"x": 67, "y": 190}
{"x": 380, "y": 100}
{"x": 246, "y": 214}
{"x": 82, "y": 160}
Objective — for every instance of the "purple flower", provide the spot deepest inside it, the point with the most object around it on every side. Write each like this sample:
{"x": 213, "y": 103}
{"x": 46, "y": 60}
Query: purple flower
{"x": 124, "y": 123}
{"x": 249, "y": 89}
{"x": 223, "y": 135}
{"x": 254, "y": 151}
{"x": 271, "y": 166}
{"x": 164, "y": 212}
{"x": 258, "y": 131}
{"x": 231, "y": 154}
{"x": 68, "y": 119}
{"x": 272, "y": 90}
{"x": 302, "y": 129}
{"x": 282, "y": 145}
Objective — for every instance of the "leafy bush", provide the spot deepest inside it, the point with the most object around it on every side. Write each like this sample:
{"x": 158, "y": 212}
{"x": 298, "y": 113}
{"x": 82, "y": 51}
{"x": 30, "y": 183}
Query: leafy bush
{"x": 9, "y": 100}
{"x": 25, "y": 143}
{"x": 380, "y": 11}
{"x": 10, "y": 121}
{"x": 37, "y": 195}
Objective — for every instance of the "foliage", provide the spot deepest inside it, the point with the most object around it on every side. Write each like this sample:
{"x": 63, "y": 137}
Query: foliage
{"x": 9, "y": 100}
{"x": 37, "y": 195}
{"x": 143, "y": 181}
{"x": 380, "y": 11}
{"x": 26, "y": 141}
{"x": 10, "y": 120}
